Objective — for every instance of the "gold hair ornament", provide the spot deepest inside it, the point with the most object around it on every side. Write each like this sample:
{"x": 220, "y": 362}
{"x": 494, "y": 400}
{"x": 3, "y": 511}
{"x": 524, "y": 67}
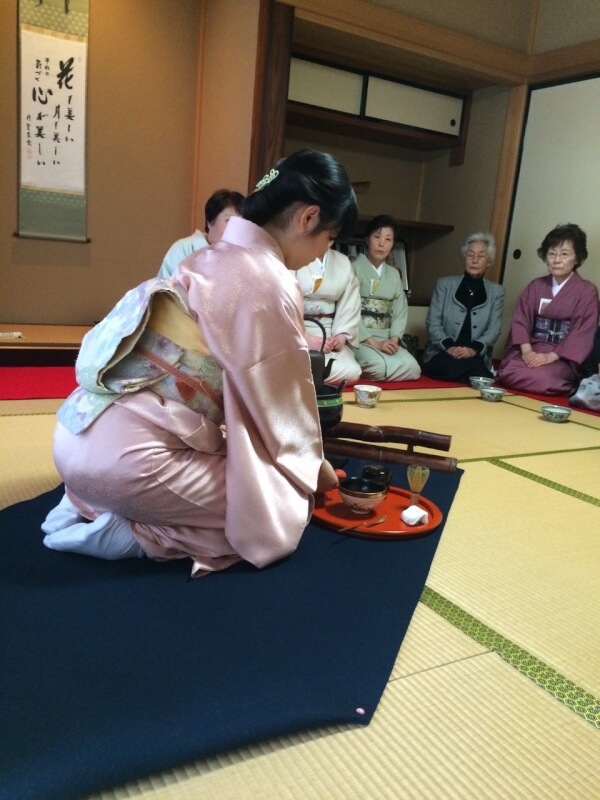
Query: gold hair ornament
{"x": 270, "y": 176}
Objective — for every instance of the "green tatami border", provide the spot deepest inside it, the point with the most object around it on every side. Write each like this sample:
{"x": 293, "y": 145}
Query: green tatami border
{"x": 564, "y": 690}
{"x": 558, "y": 487}
{"x": 507, "y": 456}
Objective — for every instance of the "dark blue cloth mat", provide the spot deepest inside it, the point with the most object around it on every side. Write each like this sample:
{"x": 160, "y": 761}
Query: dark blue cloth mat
{"x": 115, "y": 670}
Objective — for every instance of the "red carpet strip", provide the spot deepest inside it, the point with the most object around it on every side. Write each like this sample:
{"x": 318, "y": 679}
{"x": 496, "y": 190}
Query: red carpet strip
{"x": 36, "y": 383}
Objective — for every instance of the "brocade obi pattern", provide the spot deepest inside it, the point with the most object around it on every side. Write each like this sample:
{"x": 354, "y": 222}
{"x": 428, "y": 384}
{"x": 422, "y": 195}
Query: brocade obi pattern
{"x": 551, "y": 331}
{"x": 136, "y": 372}
{"x": 376, "y": 314}
{"x": 109, "y": 366}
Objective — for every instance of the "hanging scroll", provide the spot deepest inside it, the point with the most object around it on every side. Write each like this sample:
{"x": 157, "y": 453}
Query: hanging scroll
{"x": 52, "y": 119}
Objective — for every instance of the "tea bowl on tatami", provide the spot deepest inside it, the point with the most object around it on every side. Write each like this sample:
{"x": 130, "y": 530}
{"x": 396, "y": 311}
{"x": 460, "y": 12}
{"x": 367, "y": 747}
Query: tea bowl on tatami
{"x": 362, "y": 495}
{"x": 366, "y": 396}
{"x": 556, "y": 413}
{"x": 492, "y": 393}
{"x": 477, "y": 382}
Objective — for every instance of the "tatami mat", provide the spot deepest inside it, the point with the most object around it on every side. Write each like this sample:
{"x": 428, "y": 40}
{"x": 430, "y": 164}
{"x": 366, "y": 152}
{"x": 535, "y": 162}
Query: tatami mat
{"x": 26, "y": 457}
{"x": 576, "y": 472}
{"x": 523, "y": 558}
{"x": 403, "y": 395}
{"x": 479, "y": 429}
{"x": 432, "y": 642}
{"x": 581, "y": 417}
{"x": 12, "y": 407}
{"x": 519, "y": 553}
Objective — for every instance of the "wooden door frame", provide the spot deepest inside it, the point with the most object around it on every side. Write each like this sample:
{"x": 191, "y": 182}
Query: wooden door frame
{"x": 275, "y": 29}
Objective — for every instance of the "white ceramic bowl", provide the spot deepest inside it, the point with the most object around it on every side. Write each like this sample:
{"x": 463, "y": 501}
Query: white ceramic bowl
{"x": 478, "y": 382}
{"x": 556, "y": 413}
{"x": 362, "y": 495}
{"x": 367, "y": 396}
{"x": 492, "y": 393}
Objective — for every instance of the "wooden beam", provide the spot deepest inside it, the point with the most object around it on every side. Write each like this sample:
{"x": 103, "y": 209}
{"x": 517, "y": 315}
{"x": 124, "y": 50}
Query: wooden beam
{"x": 443, "y": 47}
{"x": 359, "y": 18}
{"x": 507, "y": 172}
{"x": 566, "y": 62}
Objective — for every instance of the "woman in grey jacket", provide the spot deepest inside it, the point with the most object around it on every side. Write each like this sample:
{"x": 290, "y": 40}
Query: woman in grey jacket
{"x": 465, "y": 317}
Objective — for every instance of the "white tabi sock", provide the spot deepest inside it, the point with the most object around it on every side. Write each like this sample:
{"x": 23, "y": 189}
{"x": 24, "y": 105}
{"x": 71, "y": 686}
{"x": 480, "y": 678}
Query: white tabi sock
{"x": 109, "y": 536}
{"x": 62, "y": 516}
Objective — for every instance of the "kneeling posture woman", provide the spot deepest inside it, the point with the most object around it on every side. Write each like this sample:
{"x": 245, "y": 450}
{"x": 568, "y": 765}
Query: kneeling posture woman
{"x": 384, "y": 309}
{"x": 554, "y": 322}
{"x": 465, "y": 317}
{"x": 194, "y": 431}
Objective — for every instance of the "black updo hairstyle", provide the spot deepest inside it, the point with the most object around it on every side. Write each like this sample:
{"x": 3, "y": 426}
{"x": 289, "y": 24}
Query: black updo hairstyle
{"x": 311, "y": 177}
{"x": 379, "y": 222}
{"x": 566, "y": 233}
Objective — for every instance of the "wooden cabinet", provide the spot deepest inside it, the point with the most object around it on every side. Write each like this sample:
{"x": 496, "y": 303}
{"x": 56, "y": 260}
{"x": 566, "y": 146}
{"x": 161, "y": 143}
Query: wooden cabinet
{"x": 376, "y": 108}
{"x": 361, "y": 105}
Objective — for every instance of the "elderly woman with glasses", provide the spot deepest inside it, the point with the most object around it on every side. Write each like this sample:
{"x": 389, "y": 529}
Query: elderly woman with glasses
{"x": 464, "y": 317}
{"x": 554, "y": 322}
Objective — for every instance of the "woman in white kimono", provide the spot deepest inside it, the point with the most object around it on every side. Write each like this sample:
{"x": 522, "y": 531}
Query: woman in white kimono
{"x": 331, "y": 296}
{"x": 384, "y": 309}
{"x": 195, "y": 431}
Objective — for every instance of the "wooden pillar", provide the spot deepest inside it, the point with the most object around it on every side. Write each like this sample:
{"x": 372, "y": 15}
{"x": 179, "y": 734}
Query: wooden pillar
{"x": 276, "y": 23}
{"x": 507, "y": 174}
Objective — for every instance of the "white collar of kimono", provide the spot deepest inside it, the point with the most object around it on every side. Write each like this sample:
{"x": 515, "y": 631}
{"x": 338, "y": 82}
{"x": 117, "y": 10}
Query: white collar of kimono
{"x": 379, "y": 269}
{"x": 556, "y": 287}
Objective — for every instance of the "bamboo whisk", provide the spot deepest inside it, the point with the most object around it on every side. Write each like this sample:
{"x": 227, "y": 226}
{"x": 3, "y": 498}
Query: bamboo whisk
{"x": 417, "y": 478}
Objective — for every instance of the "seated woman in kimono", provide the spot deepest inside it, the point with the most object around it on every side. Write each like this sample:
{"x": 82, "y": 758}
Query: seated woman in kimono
{"x": 194, "y": 431}
{"x": 331, "y": 297}
{"x": 554, "y": 322}
{"x": 218, "y": 210}
{"x": 384, "y": 309}
{"x": 465, "y": 317}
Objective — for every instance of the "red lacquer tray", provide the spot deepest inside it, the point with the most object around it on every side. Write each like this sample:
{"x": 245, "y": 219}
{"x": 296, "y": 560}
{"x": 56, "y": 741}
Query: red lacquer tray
{"x": 332, "y": 513}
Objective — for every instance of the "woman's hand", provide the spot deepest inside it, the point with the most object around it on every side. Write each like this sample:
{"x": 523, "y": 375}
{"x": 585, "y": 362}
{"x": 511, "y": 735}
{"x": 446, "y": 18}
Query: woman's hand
{"x": 316, "y": 342}
{"x": 335, "y": 343}
{"x": 461, "y": 352}
{"x": 534, "y": 360}
{"x": 327, "y": 478}
{"x": 388, "y": 346}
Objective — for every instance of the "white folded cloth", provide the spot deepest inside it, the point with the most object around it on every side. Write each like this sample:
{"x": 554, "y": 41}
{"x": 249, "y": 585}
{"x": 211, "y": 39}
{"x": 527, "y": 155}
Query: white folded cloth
{"x": 413, "y": 515}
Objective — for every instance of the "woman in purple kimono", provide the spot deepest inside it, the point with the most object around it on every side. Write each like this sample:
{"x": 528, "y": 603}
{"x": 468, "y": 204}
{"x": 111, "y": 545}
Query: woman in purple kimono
{"x": 194, "y": 432}
{"x": 554, "y": 322}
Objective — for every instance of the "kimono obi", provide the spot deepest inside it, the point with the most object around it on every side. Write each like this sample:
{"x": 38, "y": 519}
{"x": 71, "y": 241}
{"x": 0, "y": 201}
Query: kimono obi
{"x": 376, "y": 313}
{"x": 551, "y": 331}
{"x": 318, "y": 308}
{"x": 308, "y": 315}
{"x": 148, "y": 341}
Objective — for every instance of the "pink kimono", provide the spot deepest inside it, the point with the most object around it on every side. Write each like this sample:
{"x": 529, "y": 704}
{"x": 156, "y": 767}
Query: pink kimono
{"x": 188, "y": 488}
{"x": 564, "y": 325}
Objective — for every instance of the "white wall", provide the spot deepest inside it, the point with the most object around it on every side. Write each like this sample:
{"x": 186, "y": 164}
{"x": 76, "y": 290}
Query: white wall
{"x": 559, "y": 181}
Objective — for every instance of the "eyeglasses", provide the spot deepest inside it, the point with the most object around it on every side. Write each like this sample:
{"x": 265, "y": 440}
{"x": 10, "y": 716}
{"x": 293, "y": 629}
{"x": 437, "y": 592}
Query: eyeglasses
{"x": 553, "y": 255}
{"x": 476, "y": 256}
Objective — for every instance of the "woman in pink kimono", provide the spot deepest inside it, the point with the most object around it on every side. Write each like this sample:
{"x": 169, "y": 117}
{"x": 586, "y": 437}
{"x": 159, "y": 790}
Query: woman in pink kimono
{"x": 194, "y": 431}
{"x": 554, "y": 322}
